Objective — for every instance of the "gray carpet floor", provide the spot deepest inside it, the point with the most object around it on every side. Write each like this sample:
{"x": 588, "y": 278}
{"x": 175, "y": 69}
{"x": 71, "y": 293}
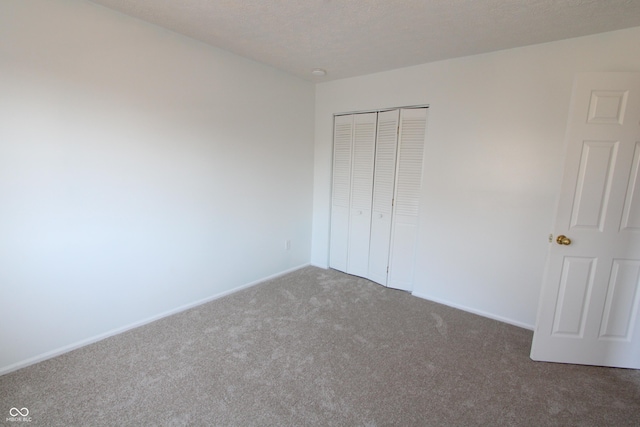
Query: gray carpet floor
{"x": 318, "y": 347}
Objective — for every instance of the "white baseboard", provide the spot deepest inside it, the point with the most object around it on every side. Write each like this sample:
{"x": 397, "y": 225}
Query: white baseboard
{"x": 461, "y": 307}
{"x": 475, "y": 311}
{"x": 67, "y": 348}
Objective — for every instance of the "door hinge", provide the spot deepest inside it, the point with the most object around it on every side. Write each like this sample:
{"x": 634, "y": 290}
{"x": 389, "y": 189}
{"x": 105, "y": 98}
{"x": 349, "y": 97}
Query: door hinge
{"x": 392, "y": 202}
{"x": 387, "y": 269}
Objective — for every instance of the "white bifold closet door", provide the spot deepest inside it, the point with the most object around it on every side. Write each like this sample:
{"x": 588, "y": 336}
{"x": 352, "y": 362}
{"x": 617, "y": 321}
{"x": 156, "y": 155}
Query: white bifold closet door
{"x": 340, "y": 191}
{"x": 383, "y": 190}
{"x": 354, "y": 151}
{"x": 377, "y": 172}
{"x": 404, "y": 226}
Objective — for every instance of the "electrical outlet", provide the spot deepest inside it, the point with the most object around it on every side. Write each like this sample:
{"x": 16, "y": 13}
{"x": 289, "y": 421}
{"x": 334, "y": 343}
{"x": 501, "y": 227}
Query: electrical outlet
{"x": 287, "y": 244}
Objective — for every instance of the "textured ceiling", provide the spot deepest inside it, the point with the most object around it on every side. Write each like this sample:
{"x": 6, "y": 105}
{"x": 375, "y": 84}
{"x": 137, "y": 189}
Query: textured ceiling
{"x": 356, "y": 37}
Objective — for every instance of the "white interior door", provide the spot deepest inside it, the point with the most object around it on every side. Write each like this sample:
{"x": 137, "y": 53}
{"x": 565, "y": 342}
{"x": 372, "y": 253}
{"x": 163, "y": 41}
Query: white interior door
{"x": 364, "y": 142}
{"x": 404, "y": 228}
{"x": 341, "y": 191}
{"x": 590, "y": 298}
{"x": 383, "y": 187}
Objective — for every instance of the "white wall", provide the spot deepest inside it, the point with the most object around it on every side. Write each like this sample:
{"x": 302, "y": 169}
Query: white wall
{"x": 140, "y": 171}
{"x": 493, "y": 164}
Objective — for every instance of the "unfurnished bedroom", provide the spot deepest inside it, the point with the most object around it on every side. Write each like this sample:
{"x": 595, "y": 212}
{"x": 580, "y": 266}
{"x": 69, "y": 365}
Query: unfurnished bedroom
{"x": 245, "y": 213}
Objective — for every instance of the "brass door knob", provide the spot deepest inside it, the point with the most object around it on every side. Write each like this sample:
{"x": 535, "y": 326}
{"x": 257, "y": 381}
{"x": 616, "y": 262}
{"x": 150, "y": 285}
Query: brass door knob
{"x": 563, "y": 240}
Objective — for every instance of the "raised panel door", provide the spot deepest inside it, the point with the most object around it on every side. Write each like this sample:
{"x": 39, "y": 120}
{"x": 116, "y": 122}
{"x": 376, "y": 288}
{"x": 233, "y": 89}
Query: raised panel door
{"x": 590, "y": 298}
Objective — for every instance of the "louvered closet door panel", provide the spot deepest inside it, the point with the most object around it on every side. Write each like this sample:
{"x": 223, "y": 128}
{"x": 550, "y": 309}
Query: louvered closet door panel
{"x": 364, "y": 140}
{"x": 383, "y": 187}
{"x": 404, "y": 233}
{"x": 341, "y": 191}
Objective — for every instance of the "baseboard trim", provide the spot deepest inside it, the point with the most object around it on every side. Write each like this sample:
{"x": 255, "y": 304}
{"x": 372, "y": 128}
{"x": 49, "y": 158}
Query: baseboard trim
{"x": 67, "y": 348}
{"x": 475, "y": 311}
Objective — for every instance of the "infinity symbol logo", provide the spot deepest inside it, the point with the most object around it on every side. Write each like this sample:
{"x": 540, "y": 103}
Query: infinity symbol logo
{"x": 14, "y": 412}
